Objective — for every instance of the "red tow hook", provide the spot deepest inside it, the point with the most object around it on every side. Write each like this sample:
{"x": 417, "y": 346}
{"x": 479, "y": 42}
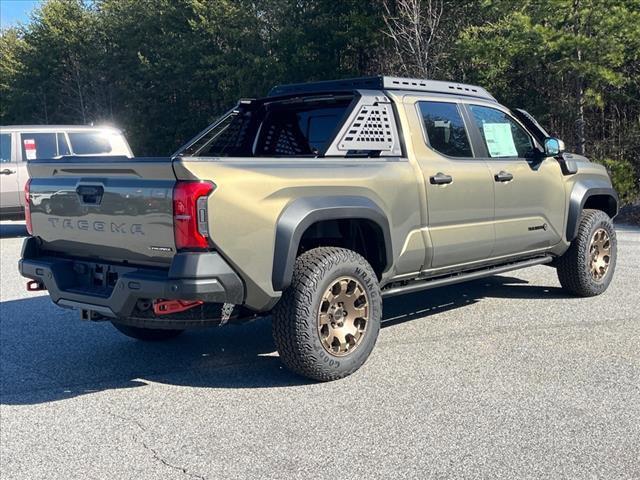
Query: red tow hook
{"x": 34, "y": 286}
{"x": 165, "y": 307}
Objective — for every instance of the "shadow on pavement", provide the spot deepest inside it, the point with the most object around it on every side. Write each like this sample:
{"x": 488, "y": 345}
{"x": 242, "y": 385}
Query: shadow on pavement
{"x": 13, "y": 230}
{"x": 49, "y": 354}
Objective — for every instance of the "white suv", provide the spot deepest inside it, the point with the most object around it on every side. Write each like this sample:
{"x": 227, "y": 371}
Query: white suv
{"x": 19, "y": 144}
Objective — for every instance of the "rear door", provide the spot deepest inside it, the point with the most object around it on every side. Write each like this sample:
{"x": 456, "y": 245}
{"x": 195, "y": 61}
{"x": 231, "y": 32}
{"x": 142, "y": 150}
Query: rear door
{"x": 9, "y": 186}
{"x": 529, "y": 191}
{"x": 459, "y": 187}
{"x": 39, "y": 145}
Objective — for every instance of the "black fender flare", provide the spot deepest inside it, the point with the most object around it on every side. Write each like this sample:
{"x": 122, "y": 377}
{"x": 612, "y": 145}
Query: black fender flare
{"x": 304, "y": 212}
{"x": 581, "y": 192}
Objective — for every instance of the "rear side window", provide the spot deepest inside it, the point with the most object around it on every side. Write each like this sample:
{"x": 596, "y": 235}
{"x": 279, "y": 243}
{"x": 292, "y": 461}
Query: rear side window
{"x": 502, "y": 135}
{"x": 39, "y": 145}
{"x": 5, "y": 148}
{"x": 89, "y": 143}
{"x": 445, "y": 129}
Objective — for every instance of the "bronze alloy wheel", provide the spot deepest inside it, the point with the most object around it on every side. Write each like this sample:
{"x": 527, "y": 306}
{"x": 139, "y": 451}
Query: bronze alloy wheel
{"x": 343, "y": 316}
{"x": 599, "y": 254}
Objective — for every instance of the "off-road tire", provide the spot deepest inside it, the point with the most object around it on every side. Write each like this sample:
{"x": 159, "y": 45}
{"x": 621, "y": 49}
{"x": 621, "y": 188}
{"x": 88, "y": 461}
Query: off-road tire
{"x": 573, "y": 267}
{"x": 147, "y": 334}
{"x": 295, "y": 317}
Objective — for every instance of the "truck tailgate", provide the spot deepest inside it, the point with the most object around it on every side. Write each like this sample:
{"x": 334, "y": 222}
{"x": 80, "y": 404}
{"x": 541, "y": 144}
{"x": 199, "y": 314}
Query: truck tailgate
{"x": 110, "y": 208}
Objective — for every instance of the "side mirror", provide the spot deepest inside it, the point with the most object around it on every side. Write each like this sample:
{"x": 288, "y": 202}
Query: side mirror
{"x": 553, "y": 147}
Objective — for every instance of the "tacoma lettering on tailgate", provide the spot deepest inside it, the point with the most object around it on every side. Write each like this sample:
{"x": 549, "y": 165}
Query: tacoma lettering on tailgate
{"x": 97, "y": 226}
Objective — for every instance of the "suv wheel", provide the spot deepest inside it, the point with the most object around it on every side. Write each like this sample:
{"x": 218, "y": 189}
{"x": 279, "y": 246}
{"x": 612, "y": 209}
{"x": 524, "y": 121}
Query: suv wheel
{"x": 327, "y": 322}
{"x": 147, "y": 334}
{"x": 586, "y": 269}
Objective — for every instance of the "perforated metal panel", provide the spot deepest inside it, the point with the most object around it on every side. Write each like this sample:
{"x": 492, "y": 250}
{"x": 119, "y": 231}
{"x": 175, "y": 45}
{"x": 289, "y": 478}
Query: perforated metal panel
{"x": 370, "y": 127}
{"x": 437, "y": 86}
{"x": 281, "y": 140}
{"x": 383, "y": 83}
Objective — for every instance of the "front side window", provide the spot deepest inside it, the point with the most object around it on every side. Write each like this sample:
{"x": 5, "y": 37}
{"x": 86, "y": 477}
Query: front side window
{"x": 89, "y": 143}
{"x": 503, "y": 137}
{"x": 445, "y": 129}
{"x": 5, "y": 148}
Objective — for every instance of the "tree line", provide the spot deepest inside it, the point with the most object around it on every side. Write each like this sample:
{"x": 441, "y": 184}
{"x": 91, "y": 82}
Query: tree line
{"x": 163, "y": 69}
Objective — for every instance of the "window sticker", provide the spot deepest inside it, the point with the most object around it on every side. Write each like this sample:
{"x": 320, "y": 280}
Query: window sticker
{"x": 30, "y": 148}
{"x": 499, "y": 140}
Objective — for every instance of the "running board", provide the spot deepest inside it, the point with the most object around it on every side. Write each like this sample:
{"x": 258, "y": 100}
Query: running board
{"x": 418, "y": 285}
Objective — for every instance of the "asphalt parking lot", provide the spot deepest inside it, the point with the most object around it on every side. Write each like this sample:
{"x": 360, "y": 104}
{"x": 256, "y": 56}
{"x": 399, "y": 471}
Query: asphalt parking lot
{"x": 505, "y": 377}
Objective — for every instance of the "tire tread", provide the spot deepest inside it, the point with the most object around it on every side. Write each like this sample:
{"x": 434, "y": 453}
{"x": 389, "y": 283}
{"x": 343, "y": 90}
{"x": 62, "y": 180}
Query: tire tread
{"x": 572, "y": 273}
{"x": 293, "y": 313}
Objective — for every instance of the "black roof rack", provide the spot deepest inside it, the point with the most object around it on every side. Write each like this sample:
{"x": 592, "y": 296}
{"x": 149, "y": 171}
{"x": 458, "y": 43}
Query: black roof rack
{"x": 382, "y": 83}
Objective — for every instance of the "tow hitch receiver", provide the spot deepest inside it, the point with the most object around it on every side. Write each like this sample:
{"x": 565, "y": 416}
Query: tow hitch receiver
{"x": 166, "y": 307}
{"x": 34, "y": 286}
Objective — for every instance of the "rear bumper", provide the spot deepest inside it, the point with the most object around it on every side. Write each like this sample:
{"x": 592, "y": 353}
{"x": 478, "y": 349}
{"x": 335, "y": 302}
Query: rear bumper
{"x": 191, "y": 276}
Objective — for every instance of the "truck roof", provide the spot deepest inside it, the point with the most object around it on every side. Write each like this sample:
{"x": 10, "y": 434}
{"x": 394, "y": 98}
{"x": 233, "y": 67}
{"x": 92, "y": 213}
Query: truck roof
{"x": 382, "y": 82}
{"x": 48, "y": 128}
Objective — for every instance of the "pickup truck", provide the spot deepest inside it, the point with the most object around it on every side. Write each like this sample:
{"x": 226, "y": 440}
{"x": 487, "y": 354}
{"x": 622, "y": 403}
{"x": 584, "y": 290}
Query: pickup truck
{"x": 314, "y": 203}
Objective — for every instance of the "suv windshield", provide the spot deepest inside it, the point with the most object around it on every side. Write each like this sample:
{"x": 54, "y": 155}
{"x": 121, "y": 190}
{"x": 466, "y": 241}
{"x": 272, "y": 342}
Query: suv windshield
{"x": 281, "y": 128}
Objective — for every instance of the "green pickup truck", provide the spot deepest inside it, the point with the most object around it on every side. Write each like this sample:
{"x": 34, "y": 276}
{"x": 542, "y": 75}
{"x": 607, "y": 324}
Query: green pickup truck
{"x": 314, "y": 203}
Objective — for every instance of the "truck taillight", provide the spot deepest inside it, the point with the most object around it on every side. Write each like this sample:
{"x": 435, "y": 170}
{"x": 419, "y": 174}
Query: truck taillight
{"x": 190, "y": 216}
{"x": 27, "y": 207}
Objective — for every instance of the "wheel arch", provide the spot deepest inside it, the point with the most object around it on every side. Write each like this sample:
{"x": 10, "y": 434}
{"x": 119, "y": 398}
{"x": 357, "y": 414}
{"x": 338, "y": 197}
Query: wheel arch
{"x": 302, "y": 214}
{"x": 591, "y": 194}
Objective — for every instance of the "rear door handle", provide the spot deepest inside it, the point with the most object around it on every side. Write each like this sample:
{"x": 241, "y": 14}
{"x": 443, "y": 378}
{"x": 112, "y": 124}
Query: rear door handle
{"x": 503, "y": 176}
{"x": 440, "y": 179}
{"x": 6, "y": 171}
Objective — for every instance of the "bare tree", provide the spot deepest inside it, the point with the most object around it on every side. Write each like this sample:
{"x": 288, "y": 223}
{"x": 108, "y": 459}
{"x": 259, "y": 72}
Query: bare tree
{"x": 413, "y": 27}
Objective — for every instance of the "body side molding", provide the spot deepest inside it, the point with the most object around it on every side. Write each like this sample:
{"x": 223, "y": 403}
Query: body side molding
{"x": 304, "y": 212}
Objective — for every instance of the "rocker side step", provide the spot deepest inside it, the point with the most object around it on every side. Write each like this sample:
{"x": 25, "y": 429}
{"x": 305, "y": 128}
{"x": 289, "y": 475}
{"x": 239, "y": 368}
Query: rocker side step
{"x": 418, "y": 285}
